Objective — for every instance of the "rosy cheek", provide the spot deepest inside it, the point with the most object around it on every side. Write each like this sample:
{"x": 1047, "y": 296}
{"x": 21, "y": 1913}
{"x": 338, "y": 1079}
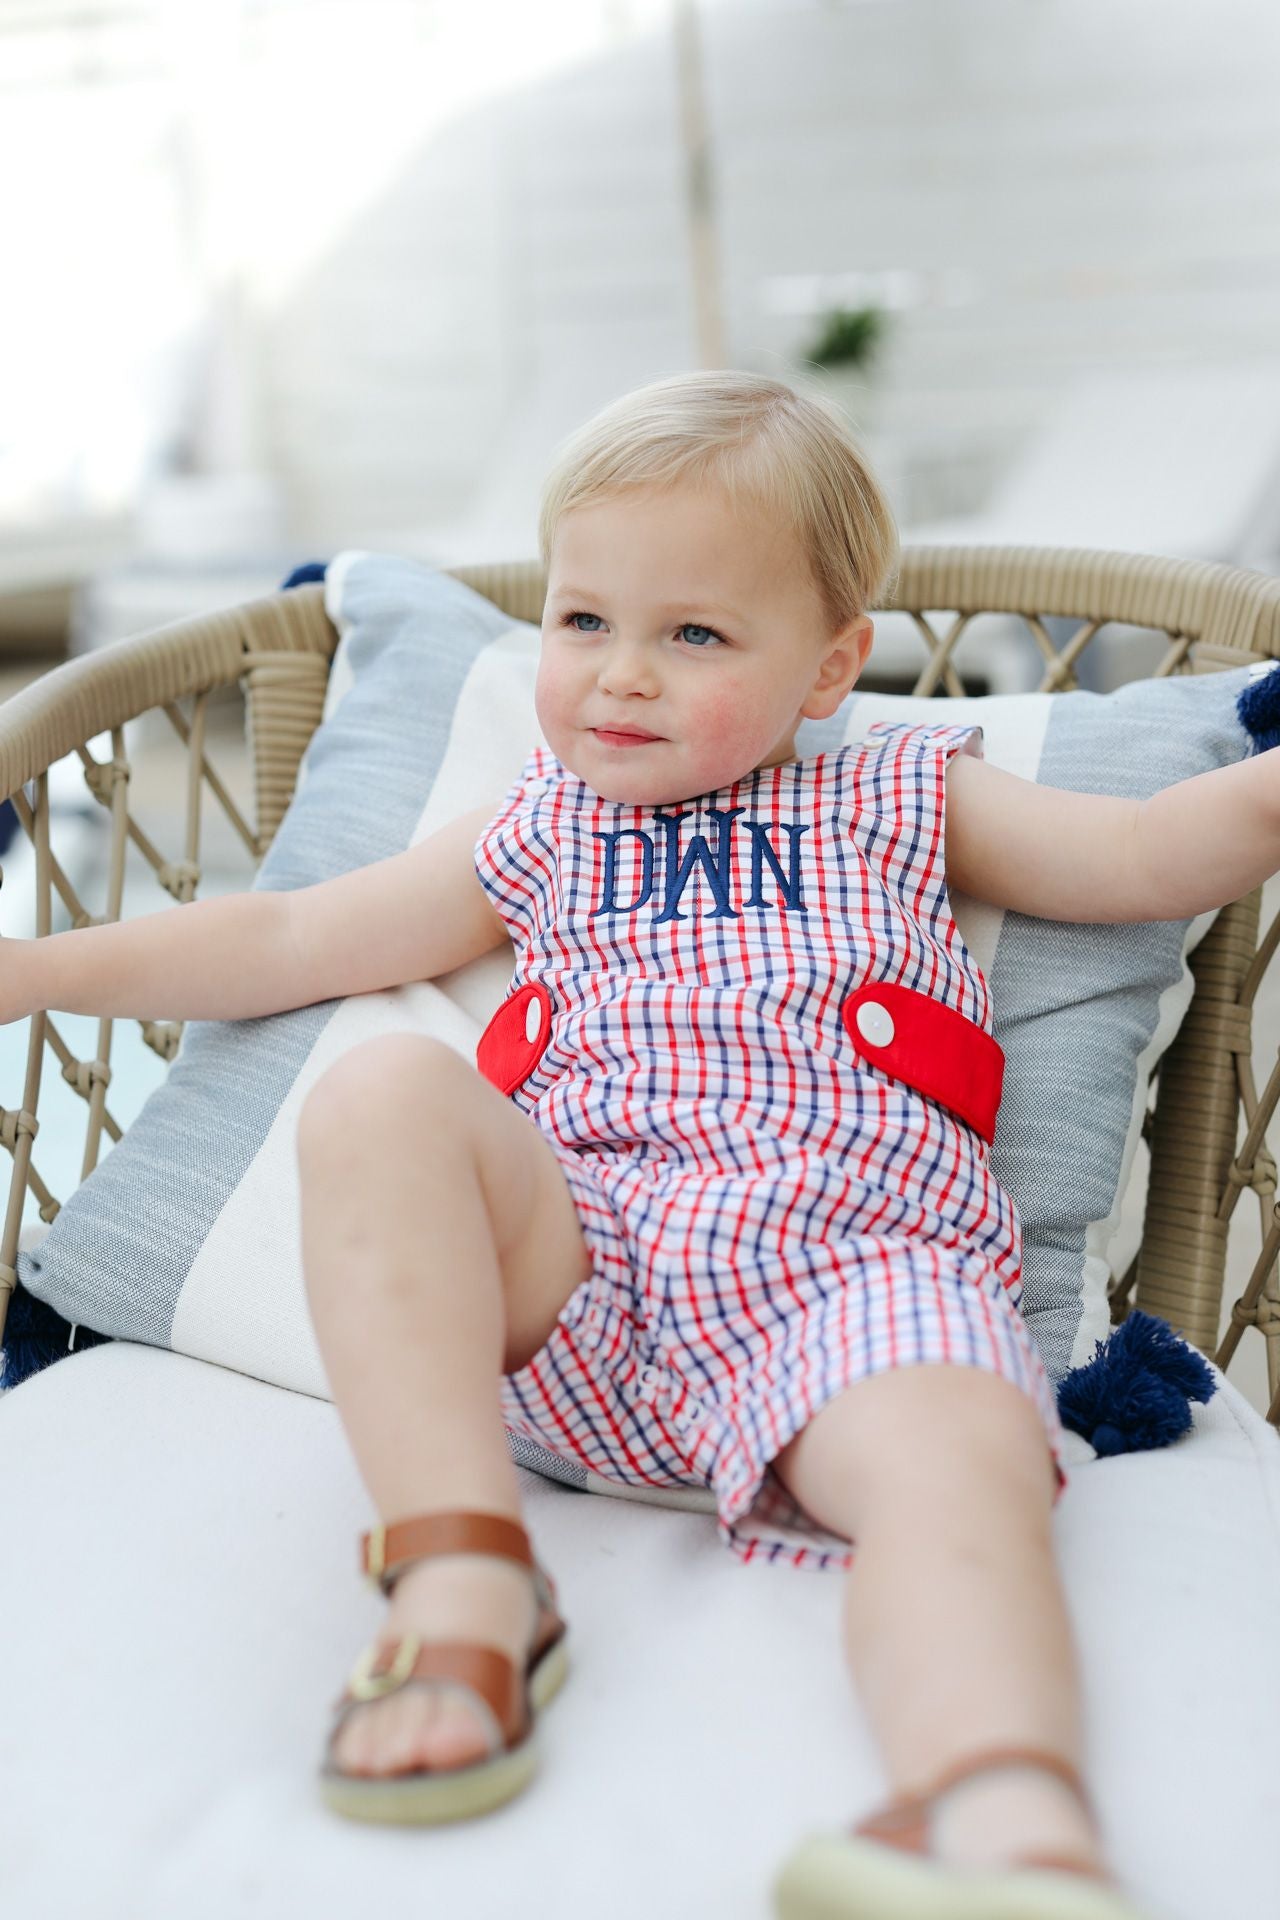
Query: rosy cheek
{"x": 549, "y": 695}
{"x": 734, "y": 718}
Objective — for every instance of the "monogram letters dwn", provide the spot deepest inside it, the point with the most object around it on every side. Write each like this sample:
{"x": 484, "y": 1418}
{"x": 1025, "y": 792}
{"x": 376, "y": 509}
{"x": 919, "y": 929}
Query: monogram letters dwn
{"x": 677, "y": 871}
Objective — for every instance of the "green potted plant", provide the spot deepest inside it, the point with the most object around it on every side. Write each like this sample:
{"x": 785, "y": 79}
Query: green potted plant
{"x": 843, "y": 358}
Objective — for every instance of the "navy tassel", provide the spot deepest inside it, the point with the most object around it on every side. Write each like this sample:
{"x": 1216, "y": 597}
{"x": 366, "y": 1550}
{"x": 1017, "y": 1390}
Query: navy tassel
{"x": 35, "y": 1336}
{"x": 302, "y": 576}
{"x": 1136, "y": 1391}
{"x": 1258, "y": 705}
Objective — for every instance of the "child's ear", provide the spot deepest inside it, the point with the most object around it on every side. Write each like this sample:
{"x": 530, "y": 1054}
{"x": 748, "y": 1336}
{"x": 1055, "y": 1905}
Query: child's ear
{"x": 843, "y": 661}
{"x": 847, "y": 653}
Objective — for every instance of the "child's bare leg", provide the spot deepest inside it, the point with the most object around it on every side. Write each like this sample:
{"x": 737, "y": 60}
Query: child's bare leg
{"x": 439, "y": 1242}
{"x": 955, "y": 1620}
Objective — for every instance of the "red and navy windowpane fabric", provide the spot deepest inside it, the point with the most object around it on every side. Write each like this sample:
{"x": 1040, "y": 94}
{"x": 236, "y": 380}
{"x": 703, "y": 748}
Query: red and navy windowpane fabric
{"x": 752, "y": 1032}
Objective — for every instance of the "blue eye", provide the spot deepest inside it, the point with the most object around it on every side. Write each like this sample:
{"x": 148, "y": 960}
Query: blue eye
{"x": 572, "y": 619}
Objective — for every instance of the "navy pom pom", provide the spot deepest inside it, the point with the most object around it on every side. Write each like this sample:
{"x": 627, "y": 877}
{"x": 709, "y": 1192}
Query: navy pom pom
{"x": 1258, "y": 705}
{"x": 35, "y": 1336}
{"x": 302, "y": 576}
{"x": 1136, "y": 1391}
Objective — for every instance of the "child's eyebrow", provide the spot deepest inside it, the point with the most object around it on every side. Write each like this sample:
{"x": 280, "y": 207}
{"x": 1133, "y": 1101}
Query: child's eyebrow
{"x": 680, "y": 606}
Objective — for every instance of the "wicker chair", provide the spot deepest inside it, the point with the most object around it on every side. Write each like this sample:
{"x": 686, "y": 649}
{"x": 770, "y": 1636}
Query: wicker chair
{"x": 278, "y": 651}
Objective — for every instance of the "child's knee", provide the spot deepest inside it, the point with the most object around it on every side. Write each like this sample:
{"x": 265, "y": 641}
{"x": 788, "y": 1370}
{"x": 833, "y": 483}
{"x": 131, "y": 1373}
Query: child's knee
{"x": 918, "y": 1437}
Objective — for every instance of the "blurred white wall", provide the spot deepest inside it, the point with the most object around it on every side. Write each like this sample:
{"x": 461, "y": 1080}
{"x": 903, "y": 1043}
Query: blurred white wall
{"x": 1061, "y": 184}
{"x": 391, "y": 250}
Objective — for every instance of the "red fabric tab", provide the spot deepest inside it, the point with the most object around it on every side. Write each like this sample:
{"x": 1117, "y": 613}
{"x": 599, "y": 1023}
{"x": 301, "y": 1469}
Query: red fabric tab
{"x": 932, "y": 1047}
{"x": 516, "y": 1038}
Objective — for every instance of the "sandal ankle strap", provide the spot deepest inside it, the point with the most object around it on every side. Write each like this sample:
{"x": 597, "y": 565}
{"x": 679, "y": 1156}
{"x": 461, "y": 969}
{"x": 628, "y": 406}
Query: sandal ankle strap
{"x": 991, "y": 1758}
{"x": 904, "y": 1821}
{"x": 386, "y": 1550}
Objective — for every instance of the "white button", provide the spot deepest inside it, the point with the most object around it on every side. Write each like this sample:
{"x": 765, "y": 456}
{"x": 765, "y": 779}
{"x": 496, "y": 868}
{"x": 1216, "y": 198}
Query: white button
{"x": 875, "y": 1023}
{"x": 650, "y": 1381}
{"x": 532, "y": 1019}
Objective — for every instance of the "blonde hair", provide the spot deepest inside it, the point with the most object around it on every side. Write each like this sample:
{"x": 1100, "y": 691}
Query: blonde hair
{"x": 791, "y": 454}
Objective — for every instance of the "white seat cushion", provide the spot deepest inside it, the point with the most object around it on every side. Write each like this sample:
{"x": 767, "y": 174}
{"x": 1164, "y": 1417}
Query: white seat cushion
{"x": 181, "y": 1605}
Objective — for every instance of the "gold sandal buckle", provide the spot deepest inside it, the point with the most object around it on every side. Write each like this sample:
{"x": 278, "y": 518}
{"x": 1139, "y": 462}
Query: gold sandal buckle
{"x": 377, "y": 1555}
{"x": 365, "y": 1684}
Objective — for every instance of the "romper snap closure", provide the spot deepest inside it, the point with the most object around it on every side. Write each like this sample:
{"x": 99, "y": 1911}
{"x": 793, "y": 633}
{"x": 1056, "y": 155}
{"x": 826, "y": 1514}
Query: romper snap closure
{"x": 516, "y": 1038}
{"x": 650, "y": 1379}
{"x": 930, "y": 1046}
{"x": 875, "y": 1023}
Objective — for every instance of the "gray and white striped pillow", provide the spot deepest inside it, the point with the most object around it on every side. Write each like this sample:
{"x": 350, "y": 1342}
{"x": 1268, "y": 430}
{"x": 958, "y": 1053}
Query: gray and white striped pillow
{"x": 187, "y": 1234}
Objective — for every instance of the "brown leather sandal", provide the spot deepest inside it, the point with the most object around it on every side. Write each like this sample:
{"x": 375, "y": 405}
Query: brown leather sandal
{"x": 506, "y": 1697}
{"x": 884, "y": 1868}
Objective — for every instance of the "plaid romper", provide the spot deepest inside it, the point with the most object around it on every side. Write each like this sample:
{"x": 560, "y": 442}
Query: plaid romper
{"x": 751, "y": 1030}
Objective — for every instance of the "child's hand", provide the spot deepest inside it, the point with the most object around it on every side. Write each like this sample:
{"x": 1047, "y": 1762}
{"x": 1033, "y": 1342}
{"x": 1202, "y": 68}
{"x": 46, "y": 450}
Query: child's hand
{"x": 12, "y": 978}
{"x": 8, "y": 1010}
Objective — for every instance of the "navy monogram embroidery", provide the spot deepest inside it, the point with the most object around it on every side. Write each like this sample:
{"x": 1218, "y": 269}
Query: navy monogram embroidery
{"x": 677, "y": 871}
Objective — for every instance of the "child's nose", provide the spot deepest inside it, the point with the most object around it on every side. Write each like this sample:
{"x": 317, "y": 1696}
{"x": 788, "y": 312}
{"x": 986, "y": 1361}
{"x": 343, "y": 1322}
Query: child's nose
{"x": 627, "y": 668}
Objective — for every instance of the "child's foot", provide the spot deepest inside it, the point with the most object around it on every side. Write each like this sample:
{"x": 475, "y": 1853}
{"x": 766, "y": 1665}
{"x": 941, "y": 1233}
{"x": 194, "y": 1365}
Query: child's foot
{"x": 454, "y": 1597}
{"x": 993, "y": 1818}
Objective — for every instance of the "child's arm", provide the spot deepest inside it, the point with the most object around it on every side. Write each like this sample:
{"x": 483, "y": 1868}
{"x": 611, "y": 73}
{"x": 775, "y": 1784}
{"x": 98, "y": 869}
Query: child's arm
{"x": 412, "y": 916}
{"x": 408, "y": 917}
{"x": 1086, "y": 856}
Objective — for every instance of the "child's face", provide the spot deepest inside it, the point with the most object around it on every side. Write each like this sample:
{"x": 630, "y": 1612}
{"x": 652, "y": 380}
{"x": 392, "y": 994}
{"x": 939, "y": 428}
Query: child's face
{"x": 667, "y": 614}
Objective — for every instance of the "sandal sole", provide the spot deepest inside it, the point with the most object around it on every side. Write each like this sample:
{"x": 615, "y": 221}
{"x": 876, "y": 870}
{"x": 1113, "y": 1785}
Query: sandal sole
{"x": 831, "y": 1878}
{"x": 429, "y": 1797}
